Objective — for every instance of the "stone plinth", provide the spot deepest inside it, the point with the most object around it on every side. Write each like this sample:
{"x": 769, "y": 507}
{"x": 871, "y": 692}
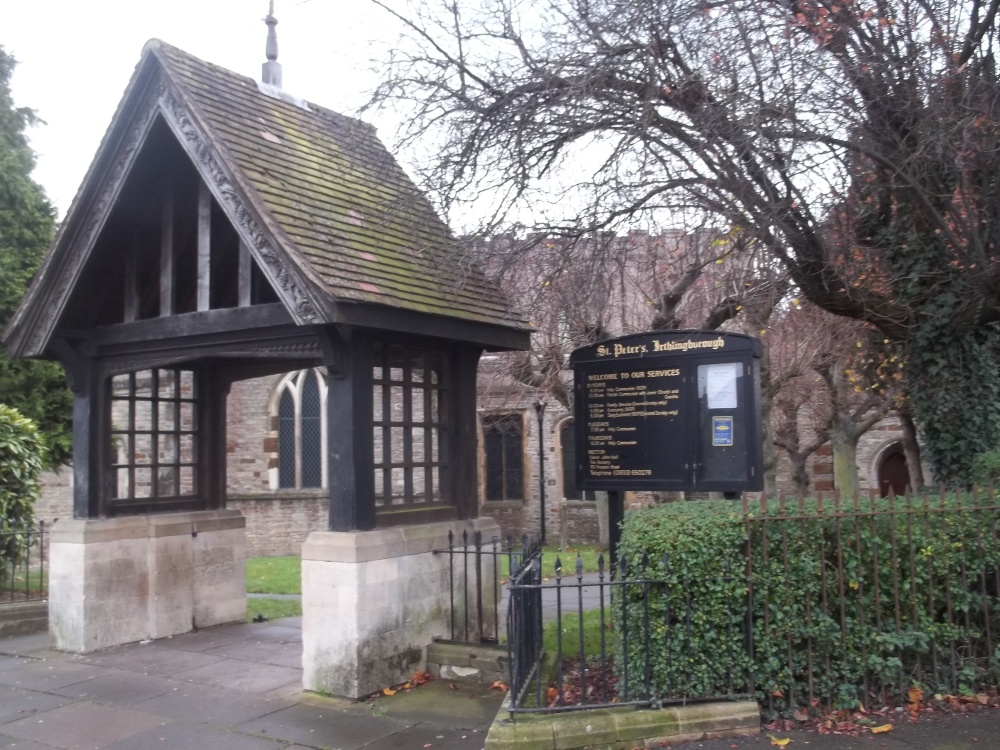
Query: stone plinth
{"x": 372, "y": 601}
{"x": 120, "y": 580}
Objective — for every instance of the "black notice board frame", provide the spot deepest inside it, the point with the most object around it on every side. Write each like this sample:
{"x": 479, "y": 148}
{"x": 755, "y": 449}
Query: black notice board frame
{"x": 644, "y": 422}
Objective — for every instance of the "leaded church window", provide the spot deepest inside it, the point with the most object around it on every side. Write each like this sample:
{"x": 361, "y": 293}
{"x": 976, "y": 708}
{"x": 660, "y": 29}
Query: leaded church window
{"x": 302, "y": 430}
{"x": 503, "y": 438}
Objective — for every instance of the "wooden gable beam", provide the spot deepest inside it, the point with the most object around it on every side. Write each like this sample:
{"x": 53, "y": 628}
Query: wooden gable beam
{"x": 167, "y": 254}
{"x": 204, "y": 247}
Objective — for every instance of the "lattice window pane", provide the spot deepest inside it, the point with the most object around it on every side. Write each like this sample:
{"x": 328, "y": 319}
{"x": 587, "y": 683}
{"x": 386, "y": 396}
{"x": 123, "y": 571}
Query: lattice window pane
{"x": 312, "y": 440}
{"x": 167, "y": 384}
{"x": 286, "y": 441}
{"x": 165, "y": 416}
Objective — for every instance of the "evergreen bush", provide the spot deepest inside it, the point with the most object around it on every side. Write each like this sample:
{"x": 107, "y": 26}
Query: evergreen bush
{"x": 819, "y": 591}
{"x": 21, "y": 451}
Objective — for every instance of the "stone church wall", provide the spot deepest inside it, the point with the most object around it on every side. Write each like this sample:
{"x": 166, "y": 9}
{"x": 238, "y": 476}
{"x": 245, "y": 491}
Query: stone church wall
{"x": 278, "y": 521}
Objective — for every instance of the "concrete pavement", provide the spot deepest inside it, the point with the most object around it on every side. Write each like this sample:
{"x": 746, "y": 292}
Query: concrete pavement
{"x": 239, "y": 687}
{"x": 236, "y": 686}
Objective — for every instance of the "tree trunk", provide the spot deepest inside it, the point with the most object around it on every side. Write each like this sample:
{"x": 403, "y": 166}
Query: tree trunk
{"x": 800, "y": 476}
{"x": 769, "y": 456}
{"x": 911, "y": 449}
{"x": 845, "y": 461}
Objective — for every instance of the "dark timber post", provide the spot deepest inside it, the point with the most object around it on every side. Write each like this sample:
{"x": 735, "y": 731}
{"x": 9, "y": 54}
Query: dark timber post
{"x": 616, "y": 513}
{"x": 212, "y": 392}
{"x": 350, "y": 431}
{"x": 91, "y": 429}
{"x": 463, "y": 444}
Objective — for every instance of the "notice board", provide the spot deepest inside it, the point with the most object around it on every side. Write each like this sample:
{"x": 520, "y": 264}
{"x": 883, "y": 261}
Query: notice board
{"x": 669, "y": 410}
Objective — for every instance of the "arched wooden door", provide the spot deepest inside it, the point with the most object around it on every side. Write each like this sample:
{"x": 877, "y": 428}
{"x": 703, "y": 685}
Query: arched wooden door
{"x": 893, "y": 473}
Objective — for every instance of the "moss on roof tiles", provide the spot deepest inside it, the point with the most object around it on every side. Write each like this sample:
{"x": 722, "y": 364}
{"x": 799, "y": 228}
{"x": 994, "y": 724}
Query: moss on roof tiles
{"x": 347, "y": 207}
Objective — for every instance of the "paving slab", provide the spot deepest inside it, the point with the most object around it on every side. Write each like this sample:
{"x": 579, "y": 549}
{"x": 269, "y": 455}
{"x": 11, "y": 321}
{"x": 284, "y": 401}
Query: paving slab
{"x": 14, "y": 742}
{"x": 27, "y": 644}
{"x": 19, "y": 703}
{"x": 145, "y": 659}
{"x": 467, "y": 707}
{"x": 184, "y": 736}
{"x": 82, "y": 725}
{"x": 200, "y": 640}
{"x": 247, "y": 676}
{"x": 117, "y": 688}
{"x": 210, "y": 705}
{"x": 48, "y": 675}
{"x": 424, "y": 735}
{"x": 279, "y": 653}
{"x": 317, "y": 726}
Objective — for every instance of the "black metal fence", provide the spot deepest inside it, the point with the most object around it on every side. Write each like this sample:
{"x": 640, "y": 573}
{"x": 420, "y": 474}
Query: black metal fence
{"x": 23, "y": 566}
{"x": 476, "y": 570}
{"x": 563, "y": 634}
{"x": 826, "y": 602}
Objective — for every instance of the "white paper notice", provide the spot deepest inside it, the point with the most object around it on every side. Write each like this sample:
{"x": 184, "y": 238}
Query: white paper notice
{"x": 720, "y": 385}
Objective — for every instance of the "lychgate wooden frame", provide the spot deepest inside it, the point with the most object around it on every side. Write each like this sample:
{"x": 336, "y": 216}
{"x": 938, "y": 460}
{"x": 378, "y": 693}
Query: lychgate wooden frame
{"x": 227, "y": 231}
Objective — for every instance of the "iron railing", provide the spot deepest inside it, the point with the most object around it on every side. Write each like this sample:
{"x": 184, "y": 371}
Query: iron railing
{"x": 23, "y": 566}
{"x": 579, "y": 672}
{"x": 906, "y": 593}
{"x": 475, "y": 574}
{"x": 903, "y": 593}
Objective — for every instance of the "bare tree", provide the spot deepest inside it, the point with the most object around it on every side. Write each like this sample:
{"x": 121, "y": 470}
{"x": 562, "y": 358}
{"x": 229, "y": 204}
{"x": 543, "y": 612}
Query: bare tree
{"x": 855, "y": 139}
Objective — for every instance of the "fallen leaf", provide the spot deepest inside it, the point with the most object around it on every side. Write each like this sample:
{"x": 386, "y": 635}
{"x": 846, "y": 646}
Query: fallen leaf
{"x": 882, "y": 729}
{"x": 388, "y": 691}
{"x": 779, "y": 743}
{"x": 453, "y": 686}
{"x": 915, "y": 695}
{"x": 800, "y": 715}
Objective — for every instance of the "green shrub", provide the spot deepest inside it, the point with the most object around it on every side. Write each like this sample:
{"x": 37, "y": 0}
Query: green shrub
{"x": 822, "y": 592}
{"x": 20, "y": 465}
{"x": 986, "y": 468}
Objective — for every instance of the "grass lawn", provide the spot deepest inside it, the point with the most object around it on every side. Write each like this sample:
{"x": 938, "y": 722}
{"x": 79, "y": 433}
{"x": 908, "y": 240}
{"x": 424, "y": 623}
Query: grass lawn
{"x": 588, "y": 554}
{"x": 571, "y": 635}
{"x": 274, "y": 575}
{"x": 36, "y": 583}
{"x": 272, "y": 609}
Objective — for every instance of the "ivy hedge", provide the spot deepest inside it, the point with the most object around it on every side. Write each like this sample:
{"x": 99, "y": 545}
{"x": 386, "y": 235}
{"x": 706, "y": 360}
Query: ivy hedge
{"x": 801, "y": 602}
{"x": 21, "y": 451}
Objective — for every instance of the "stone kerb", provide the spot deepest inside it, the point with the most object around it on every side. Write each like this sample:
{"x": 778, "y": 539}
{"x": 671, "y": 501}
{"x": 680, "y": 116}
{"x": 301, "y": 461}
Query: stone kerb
{"x": 623, "y": 728}
{"x": 120, "y": 580}
{"x": 372, "y": 601}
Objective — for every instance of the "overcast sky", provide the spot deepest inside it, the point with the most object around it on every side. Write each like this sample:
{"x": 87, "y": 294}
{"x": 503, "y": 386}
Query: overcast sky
{"x": 76, "y": 57}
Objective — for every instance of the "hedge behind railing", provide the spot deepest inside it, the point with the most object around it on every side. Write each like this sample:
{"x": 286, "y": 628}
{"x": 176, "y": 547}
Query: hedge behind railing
{"x": 20, "y": 467}
{"x": 802, "y": 601}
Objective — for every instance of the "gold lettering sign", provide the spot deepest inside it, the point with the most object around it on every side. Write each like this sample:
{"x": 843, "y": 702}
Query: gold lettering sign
{"x": 618, "y": 350}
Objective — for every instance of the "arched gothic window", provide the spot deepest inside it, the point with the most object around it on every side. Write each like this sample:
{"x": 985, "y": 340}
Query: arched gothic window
{"x": 302, "y": 430}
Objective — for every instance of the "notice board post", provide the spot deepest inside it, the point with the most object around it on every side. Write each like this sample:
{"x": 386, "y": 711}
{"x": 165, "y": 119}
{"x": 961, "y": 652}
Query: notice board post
{"x": 668, "y": 410}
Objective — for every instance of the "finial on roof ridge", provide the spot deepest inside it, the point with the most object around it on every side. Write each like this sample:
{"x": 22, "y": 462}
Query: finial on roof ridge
{"x": 271, "y": 70}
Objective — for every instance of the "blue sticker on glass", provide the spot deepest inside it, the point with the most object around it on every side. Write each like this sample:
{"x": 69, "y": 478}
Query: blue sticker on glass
{"x": 722, "y": 431}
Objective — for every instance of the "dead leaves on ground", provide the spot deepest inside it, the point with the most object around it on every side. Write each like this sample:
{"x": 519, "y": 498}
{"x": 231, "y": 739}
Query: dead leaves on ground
{"x": 916, "y": 704}
{"x": 415, "y": 681}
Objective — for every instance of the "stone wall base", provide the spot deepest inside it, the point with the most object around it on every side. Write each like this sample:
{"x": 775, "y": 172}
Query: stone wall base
{"x": 23, "y": 618}
{"x": 372, "y": 601}
{"x": 120, "y": 580}
{"x": 466, "y": 662}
